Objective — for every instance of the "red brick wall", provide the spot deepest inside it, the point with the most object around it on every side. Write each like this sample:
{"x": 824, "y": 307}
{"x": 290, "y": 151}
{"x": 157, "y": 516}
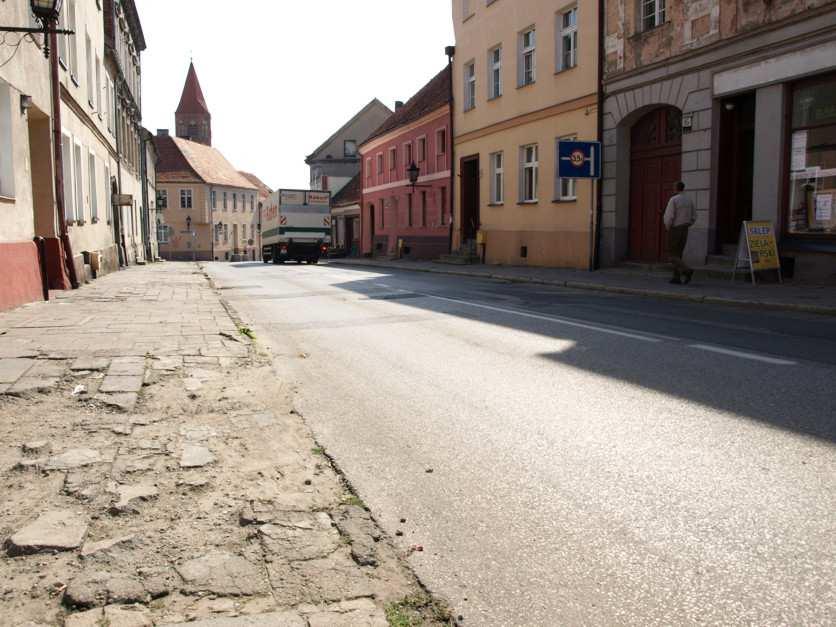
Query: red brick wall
{"x": 20, "y": 274}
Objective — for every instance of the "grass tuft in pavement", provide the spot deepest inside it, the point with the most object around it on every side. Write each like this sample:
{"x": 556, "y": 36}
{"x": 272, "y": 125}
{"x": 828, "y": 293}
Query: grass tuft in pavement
{"x": 417, "y": 610}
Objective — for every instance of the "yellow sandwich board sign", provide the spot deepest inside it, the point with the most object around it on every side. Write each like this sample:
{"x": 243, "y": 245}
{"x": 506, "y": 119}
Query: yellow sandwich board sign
{"x": 757, "y": 249}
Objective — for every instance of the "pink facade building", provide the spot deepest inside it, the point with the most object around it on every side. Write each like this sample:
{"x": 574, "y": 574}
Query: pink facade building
{"x": 397, "y": 218}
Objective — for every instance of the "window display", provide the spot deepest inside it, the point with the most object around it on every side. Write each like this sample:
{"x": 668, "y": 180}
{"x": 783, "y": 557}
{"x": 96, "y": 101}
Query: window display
{"x": 813, "y": 158}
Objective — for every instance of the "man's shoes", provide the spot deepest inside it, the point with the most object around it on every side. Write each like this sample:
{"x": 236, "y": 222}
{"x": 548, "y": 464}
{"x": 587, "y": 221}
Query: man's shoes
{"x": 687, "y": 277}
{"x": 676, "y": 281}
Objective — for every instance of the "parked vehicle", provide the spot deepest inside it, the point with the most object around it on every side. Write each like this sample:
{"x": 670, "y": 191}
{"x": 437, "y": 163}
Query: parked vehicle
{"x": 296, "y": 226}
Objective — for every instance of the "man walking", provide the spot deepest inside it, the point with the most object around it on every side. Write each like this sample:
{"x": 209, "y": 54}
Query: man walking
{"x": 680, "y": 215}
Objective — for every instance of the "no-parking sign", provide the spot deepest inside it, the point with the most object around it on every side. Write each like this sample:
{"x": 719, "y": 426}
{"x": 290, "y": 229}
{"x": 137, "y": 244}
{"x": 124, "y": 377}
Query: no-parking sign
{"x": 579, "y": 160}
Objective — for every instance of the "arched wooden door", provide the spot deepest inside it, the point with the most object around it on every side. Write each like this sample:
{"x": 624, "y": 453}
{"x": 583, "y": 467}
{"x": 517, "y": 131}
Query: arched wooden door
{"x": 655, "y": 168}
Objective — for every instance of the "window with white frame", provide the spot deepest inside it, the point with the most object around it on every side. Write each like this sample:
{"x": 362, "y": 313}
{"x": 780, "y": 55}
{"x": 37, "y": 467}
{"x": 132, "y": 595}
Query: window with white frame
{"x": 565, "y": 189}
{"x": 93, "y": 187}
{"x": 470, "y": 86}
{"x": 369, "y": 170}
{"x": 567, "y": 55}
{"x": 226, "y": 233}
{"x": 495, "y": 72}
{"x": 88, "y": 48}
{"x": 380, "y": 163}
{"x": 652, "y": 13}
{"x": 69, "y": 197}
{"x": 7, "y": 166}
{"x": 63, "y": 24}
{"x": 78, "y": 180}
{"x": 185, "y": 199}
{"x": 162, "y": 233}
{"x": 528, "y": 57}
{"x": 393, "y": 161}
{"x": 71, "y": 40}
{"x": 441, "y": 141}
{"x": 226, "y": 201}
{"x": 497, "y": 177}
{"x": 467, "y": 9}
{"x": 422, "y": 149}
{"x": 235, "y": 201}
{"x": 529, "y": 166}
{"x": 162, "y": 199}
{"x": 108, "y": 191}
{"x": 98, "y": 87}
{"x": 213, "y": 199}
{"x": 408, "y": 156}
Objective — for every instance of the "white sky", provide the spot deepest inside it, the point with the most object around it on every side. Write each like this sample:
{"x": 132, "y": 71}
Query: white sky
{"x": 280, "y": 76}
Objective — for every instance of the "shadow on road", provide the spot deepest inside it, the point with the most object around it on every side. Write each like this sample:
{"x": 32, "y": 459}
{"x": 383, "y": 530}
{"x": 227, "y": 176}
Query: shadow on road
{"x": 795, "y": 398}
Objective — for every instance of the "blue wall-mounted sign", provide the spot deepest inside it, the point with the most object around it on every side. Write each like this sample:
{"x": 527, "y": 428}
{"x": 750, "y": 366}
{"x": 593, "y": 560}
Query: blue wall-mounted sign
{"x": 579, "y": 160}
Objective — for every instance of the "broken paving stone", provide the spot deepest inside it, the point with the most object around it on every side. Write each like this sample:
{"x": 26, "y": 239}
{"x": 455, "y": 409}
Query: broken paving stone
{"x": 222, "y": 574}
{"x": 60, "y": 530}
{"x": 37, "y": 447}
{"x": 74, "y": 458}
{"x": 193, "y": 483}
{"x": 356, "y": 523}
{"x": 198, "y": 434}
{"x": 121, "y": 384}
{"x": 158, "y": 582}
{"x": 30, "y": 385}
{"x": 196, "y": 456}
{"x": 124, "y": 428}
{"x": 127, "y": 616}
{"x": 122, "y": 401}
{"x": 299, "y": 536}
{"x": 90, "y": 364}
{"x": 346, "y": 614}
{"x": 130, "y": 497}
{"x": 100, "y": 588}
{"x": 272, "y": 619}
{"x": 127, "y": 366}
{"x": 325, "y": 580}
{"x": 83, "y": 485}
{"x": 167, "y": 364}
{"x": 93, "y": 548}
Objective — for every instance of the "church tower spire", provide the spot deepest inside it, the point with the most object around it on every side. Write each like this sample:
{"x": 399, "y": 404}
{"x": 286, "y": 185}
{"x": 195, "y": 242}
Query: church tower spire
{"x": 192, "y": 118}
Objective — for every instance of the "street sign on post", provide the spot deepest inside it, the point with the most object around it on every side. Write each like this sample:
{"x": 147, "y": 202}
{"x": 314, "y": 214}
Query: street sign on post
{"x": 579, "y": 160}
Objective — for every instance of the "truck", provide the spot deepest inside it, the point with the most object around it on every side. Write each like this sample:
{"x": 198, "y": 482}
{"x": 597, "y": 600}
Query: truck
{"x": 296, "y": 226}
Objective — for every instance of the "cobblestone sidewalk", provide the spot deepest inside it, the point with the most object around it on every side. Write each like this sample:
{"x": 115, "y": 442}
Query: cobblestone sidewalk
{"x": 156, "y": 473}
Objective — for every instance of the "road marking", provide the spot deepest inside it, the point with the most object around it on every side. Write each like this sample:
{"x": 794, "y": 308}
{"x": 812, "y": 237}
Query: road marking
{"x": 569, "y": 323}
{"x": 744, "y": 355}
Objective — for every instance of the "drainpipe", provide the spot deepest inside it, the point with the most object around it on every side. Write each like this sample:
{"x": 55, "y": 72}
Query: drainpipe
{"x": 59, "y": 161}
{"x": 40, "y": 243}
{"x": 450, "y": 51}
{"x": 595, "y": 251}
{"x": 117, "y": 213}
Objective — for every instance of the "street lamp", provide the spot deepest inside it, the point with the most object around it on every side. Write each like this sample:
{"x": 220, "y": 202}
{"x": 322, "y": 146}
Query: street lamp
{"x": 46, "y": 12}
{"x": 414, "y": 173}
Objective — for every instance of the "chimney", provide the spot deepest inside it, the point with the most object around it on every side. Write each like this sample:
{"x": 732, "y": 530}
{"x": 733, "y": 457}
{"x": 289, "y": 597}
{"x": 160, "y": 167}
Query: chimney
{"x": 398, "y": 105}
{"x": 162, "y": 132}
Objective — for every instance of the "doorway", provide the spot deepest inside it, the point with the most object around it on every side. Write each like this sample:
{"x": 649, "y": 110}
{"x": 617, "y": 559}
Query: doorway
{"x": 470, "y": 198}
{"x": 655, "y": 168}
{"x": 372, "y": 228}
{"x": 736, "y": 167}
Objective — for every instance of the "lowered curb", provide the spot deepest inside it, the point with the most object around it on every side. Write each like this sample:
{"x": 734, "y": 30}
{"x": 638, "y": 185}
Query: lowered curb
{"x": 823, "y": 310}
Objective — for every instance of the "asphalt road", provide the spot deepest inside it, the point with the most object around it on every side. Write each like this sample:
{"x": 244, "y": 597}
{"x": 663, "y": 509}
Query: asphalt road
{"x": 596, "y": 458}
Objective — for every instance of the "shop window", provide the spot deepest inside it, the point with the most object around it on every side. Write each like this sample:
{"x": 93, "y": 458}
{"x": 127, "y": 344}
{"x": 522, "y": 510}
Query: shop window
{"x": 813, "y": 158}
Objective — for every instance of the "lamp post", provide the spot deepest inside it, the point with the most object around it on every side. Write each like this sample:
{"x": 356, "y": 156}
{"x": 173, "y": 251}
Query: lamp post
{"x": 414, "y": 173}
{"x": 47, "y": 13}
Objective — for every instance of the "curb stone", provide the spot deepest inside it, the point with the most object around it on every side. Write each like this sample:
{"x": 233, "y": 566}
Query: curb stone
{"x": 823, "y": 310}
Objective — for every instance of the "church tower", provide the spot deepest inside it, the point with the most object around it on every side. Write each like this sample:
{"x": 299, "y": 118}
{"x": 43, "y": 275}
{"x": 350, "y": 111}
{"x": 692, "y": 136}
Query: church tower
{"x": 192, "y": 118}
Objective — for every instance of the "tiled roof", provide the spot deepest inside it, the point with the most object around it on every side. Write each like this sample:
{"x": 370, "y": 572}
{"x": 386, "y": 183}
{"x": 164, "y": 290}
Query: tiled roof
{"x": 185, "y": 161}
{"x": 192, "y": 100}
{"x": 252, "y": 178}
{"x": 433, "y": 95}
{"x": 348, "y": 195}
